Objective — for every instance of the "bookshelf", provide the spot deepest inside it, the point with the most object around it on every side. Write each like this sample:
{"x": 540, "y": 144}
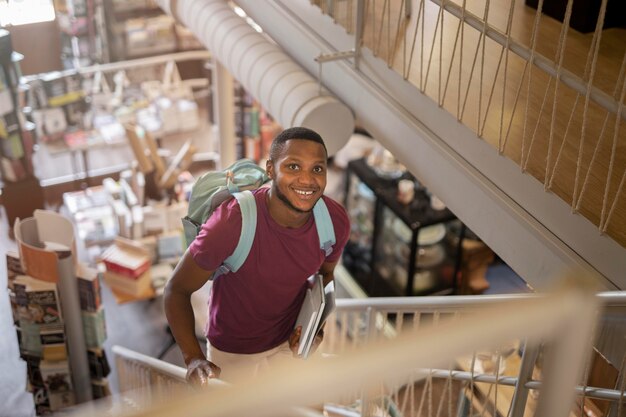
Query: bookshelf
{"x": 83, "y": 32}
{"x": 140, "y": 28}
{"x": 17, "y": 137}
{"x": 254, "y": 127}
{"x": 58, "y": 315}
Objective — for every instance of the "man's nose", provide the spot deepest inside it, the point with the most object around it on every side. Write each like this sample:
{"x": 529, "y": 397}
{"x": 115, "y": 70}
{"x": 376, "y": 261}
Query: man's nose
{"x": 306, "y": 177}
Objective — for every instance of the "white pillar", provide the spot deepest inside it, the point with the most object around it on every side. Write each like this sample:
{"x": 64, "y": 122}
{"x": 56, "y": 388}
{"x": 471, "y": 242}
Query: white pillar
{"x": 224, "y": 107}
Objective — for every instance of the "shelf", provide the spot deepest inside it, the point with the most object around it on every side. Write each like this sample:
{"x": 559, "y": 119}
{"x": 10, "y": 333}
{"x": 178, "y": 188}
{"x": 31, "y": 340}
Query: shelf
{"x": 71, "y": 97}
{"x": 415, "y": 215}
{"x": 125, "y": 14}
{"x": 388, "y": 254}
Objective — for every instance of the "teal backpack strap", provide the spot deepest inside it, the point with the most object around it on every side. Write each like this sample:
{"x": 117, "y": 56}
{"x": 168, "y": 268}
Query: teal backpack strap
{"x": 324, "y": 225}
{"x": 247, "y": 205}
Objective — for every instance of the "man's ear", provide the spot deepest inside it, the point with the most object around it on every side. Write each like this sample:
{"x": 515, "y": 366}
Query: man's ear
{"x": 269, "y": 168}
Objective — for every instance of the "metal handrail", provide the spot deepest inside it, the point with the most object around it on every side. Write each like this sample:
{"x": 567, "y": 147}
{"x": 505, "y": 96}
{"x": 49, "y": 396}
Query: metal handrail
{"x": 398, "y": 358}
{"x": 375, "y": 306}
{"x": 441, "y": 303}
{"x": 128, "y": 64}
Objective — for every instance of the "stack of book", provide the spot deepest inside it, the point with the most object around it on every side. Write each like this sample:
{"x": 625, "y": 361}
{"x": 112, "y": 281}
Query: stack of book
{"x": 41, "y": 335}
{"x": 128, "y": 269}
{"x": 94, "y": 327}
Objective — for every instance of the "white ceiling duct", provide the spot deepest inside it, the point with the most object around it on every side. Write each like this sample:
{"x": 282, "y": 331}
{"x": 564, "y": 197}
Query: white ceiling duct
{"x": 282, "y": 87}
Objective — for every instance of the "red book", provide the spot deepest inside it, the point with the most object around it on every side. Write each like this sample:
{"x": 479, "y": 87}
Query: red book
{"x": 126, "y": 257}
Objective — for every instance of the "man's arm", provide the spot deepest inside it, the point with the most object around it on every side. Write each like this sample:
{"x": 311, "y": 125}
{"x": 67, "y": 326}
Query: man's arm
{"x": 328, "y": 271}
{"x": 187, "y": 278}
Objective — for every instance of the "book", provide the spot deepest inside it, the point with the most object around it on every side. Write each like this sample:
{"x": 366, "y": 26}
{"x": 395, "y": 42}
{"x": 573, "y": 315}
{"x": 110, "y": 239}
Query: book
{"x": 318, "y": 303}
{"x": 122, "y": 297}
{"x": 29, "y": 339}
{"x": 89, "y": 290}
{"x": 100, "y": 388}
{"x": 124, "y": 218}
{"x": 98, "y": 363}
{"x": 126, "y": 257}
{"x": 94, "y": 327}
{"x": 136, "y": 213}
{"x": 54, "y": 352}
{"x": 154, "y": 219}
{"x": 32, "y": 369}
{"x": 37, "y": 301}
{"x": 42, "y": 402}
{"x": 14, "y": 267}
{"x": 58, "y": 383}
{"x": 15, "y": 313}
{"x": 127, "y": 285}
{"x": 52, "y": 339}
{"x": 50, "y": 335}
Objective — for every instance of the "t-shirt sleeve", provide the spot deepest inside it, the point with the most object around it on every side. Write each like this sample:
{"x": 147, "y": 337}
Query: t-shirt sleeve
{"x": 341, "y": 225}
{"x": 218, "y": 236}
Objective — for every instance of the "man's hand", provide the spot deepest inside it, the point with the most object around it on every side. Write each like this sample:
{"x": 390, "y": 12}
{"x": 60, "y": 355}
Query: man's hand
{"x": 319, "y": 338}
{"x": 199, "y": 371}
{"x": 294, "y": 340}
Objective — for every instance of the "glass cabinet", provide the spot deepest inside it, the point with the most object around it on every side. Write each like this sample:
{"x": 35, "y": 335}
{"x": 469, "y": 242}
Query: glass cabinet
{"x": 398, "y": 249}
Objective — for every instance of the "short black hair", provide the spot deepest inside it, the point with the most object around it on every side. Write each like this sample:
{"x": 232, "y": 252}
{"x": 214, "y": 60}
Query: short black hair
{"x": 294, "y": 133}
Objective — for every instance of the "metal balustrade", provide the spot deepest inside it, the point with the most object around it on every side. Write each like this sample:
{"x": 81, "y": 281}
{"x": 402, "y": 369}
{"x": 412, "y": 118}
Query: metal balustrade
{"x": 422, "y": 357}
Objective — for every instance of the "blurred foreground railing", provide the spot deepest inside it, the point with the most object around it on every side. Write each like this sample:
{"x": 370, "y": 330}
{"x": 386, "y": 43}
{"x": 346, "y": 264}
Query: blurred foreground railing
{"x": 430, "y": 356}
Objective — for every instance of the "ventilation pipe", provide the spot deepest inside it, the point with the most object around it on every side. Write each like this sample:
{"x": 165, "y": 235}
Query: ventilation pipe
{"x": 282, "y": 87}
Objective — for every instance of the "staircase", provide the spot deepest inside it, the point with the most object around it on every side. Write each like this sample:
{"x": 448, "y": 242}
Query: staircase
{"x": 430, "y": 356}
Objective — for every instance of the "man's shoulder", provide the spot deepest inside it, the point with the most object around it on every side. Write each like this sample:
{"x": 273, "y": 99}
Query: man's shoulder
{"x": 337, "y": 211}
{"x": 333, "y": 205}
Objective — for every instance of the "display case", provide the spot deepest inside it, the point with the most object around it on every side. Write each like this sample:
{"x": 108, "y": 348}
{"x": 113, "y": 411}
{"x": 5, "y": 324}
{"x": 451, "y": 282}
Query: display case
{"x": 16, "y": 140}
{"x": 397, "y": 249}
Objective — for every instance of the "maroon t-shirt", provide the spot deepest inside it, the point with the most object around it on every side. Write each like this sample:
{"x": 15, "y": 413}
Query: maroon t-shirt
{"x": 254, "y": 309}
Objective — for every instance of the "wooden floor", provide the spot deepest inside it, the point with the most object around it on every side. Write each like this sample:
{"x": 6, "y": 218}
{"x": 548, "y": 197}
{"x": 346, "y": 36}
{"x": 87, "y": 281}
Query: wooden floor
{"x": 547, "y": 128}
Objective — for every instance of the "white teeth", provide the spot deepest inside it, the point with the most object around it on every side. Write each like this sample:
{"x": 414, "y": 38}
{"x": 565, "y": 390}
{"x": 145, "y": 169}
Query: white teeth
{"x": 304, "y": 192}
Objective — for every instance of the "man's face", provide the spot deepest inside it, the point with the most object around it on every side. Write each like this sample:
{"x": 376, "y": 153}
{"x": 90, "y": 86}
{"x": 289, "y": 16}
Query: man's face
{"x": 299, "y": 174}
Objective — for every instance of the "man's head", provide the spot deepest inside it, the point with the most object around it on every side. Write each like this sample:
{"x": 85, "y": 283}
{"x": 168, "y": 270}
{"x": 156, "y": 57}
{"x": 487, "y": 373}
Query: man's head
{"x": 294, "y": 133}
{"x": 297, "y": 166}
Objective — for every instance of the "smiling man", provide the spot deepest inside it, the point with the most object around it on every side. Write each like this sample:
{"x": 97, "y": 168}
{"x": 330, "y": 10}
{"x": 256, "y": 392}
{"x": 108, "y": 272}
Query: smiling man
{"x": 252, "y": 311}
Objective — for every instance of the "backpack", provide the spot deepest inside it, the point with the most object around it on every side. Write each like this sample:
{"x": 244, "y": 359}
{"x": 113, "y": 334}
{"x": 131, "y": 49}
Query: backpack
{"x": 215, "y": 187}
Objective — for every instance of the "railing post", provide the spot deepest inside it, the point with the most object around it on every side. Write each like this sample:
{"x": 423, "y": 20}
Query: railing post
{"x": 366, "y": 400}
{"x": 358, "y": 35}
{"x": 529, "y": 357}
{"x": 567, "y": 354}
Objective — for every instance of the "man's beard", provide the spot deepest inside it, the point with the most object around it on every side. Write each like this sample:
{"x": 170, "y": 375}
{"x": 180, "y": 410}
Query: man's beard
{"x": 282, "y": 197}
